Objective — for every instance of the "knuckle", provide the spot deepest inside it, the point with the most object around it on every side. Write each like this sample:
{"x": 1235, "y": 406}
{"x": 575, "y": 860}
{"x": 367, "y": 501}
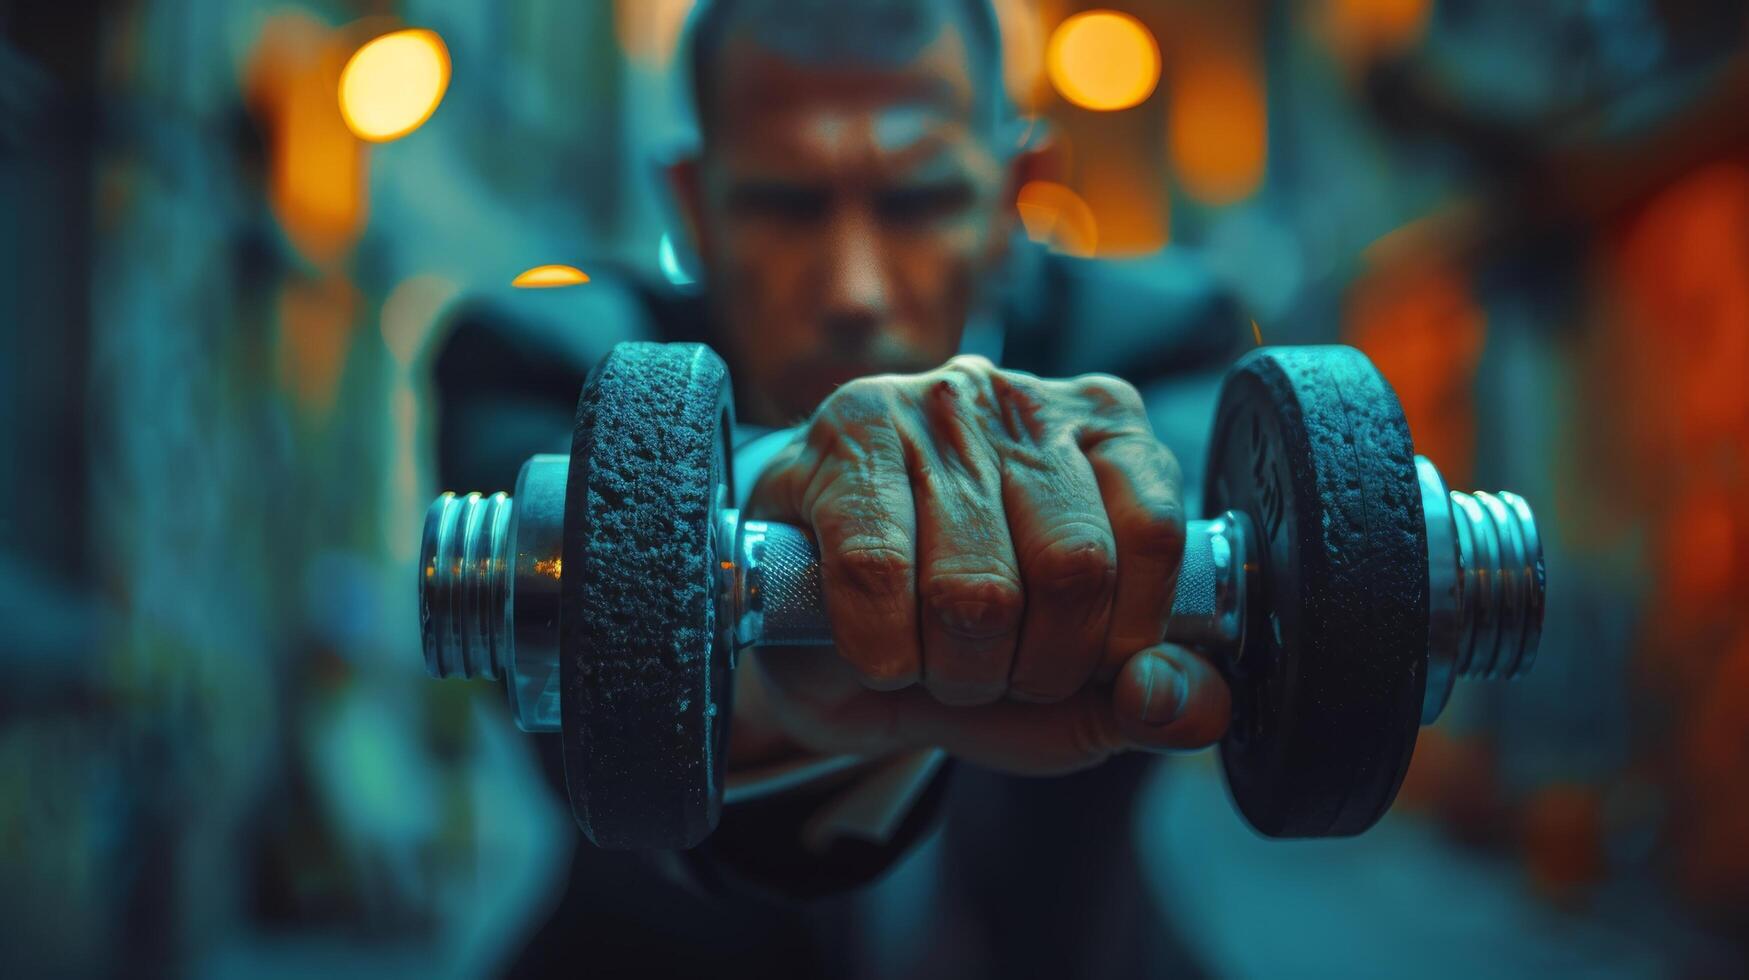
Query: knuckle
{"x": 1170, "y": 471}
{"x": 856, "y": 403}
{"x": 872, "y": 387}
{"x": 951, "y": 400}
{"x": 823, "y": 431}
{"x": 1109, "y": 395}
{"x": 1024, "y": 404}
{"x": 969, "y": 366}
{"x": 875, "y": 570}
{"x": 958, "y": 399}
{"x": 1146, "y": 457}
{"x": 1079, "y": 563}
{"x": 1156, "y": 531}
{"x": 953, "y": 387}
{"x": 975, "y": 604}
{"x": 1022, "y": 389}
{"x": 851, "y": 515}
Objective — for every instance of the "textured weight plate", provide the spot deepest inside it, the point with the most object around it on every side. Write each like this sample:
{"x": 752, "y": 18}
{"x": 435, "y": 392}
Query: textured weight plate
{"x": 644, "y": 665}
{"x": 1311, "y": 442}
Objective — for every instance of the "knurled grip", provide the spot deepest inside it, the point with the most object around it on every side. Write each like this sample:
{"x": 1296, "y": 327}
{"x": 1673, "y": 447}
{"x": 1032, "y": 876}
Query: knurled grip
{"x": 1208, "y": 605}
{"x": 781, "y": 603}
{"x": 780, "y": 599}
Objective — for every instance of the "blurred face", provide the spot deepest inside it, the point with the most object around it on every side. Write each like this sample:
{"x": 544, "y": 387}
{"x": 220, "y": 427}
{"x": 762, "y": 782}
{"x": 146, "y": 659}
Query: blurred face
{"x": 844, "y": 218}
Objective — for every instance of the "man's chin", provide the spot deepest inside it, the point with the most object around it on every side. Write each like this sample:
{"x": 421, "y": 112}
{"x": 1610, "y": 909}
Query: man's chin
{"x": 806, "y": 388}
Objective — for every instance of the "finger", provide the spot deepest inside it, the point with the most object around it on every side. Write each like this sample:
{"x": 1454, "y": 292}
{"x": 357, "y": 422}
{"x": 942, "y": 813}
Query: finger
{"x": 849, "y": 486}
{"x": 968, "y": 582}
{"x": 1139, "y": 481}
{"x": 1068, "y": 559}
{"x": 1166, "y": 698}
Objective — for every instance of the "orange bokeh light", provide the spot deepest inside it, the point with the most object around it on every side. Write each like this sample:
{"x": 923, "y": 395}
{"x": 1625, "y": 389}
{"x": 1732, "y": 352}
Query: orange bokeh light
{"x": 1425, "y": 331}
{"x": 1103, "y": 60}
{"x": 393, "y": 83}
{"x": 1218, "y": 127}
{"x": 1056, "y": 216}
{"x": 1363, "y": 28}
{"x": 1022, "y": 54}
{"x": 550, "y": 276}
{"x": 316, "y": 170}
{"x": 1661, "y": 427}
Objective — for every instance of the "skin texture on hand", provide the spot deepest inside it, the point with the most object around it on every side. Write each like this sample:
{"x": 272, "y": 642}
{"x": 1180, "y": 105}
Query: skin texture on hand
{"x": 998, "y": 556}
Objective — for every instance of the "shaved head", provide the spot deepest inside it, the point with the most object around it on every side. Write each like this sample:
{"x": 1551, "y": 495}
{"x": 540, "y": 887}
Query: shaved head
{"x": 846, "y": 34}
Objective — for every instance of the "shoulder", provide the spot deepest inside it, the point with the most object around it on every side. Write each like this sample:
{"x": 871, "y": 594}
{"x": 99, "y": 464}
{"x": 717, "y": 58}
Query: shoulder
{"x": 1144, "y": 319}
{"x": 508, "y": 364}
{"x": 501, "y": 339}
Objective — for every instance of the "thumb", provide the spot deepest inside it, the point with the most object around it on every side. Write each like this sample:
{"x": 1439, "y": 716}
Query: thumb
{"x": 1164, "y": 698}
{"x": 1167, "y": 697}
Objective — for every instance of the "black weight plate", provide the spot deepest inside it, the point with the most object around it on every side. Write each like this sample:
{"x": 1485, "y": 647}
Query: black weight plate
{"x": 643, "y": 654}
{"x": 1312, "y": 444}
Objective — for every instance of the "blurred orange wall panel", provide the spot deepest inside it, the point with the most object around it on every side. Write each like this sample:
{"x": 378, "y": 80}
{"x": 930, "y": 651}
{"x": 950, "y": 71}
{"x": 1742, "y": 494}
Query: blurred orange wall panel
{"x": 1425, "y": 331}
{"x": 317, "y": 168}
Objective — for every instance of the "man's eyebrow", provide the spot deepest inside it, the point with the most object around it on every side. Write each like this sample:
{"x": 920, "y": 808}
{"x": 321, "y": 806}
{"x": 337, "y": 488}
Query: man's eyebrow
{"x": 914, "y": 199}
{"x": 772, "y": 193}
{"x": 930, "y": 159}
{"x": 775, "y": 185}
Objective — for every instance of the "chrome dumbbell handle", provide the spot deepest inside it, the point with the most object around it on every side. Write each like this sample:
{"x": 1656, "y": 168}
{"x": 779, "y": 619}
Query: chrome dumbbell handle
{"x": 776, "y": 571}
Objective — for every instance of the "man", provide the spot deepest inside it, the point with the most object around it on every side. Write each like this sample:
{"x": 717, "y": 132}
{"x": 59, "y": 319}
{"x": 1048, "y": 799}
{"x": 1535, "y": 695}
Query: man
{"x": 998, "y": 549}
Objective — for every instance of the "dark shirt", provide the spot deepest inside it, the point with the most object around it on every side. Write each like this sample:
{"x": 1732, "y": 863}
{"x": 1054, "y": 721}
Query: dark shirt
{"x": 506, "y": 382}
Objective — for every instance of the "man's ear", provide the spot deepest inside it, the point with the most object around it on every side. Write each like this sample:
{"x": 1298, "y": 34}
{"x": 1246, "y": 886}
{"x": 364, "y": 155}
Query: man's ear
{"x": 686, "y": 184}
{"x": 1038, "y": 155}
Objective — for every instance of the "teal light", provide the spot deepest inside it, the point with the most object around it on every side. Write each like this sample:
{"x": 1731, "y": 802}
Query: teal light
{"x": 669, "y": 259}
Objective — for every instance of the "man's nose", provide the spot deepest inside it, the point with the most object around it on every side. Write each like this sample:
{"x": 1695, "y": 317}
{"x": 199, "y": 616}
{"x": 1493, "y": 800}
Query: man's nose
{"x": 856, "y": 276}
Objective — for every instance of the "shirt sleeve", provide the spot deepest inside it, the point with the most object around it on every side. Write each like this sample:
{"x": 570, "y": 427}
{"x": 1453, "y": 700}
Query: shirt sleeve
{"x": 812, "y": 826}
{"x": 825, "y": 837}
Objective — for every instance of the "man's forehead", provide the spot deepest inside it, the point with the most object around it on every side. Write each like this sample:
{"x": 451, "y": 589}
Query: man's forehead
{"x": 768, "y": 102}
{"x": 918, "y": 37}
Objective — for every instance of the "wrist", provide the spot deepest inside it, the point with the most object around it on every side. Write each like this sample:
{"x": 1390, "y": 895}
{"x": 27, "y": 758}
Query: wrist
{"x": 756, "y": 738}
{"x": 755, "y": 451}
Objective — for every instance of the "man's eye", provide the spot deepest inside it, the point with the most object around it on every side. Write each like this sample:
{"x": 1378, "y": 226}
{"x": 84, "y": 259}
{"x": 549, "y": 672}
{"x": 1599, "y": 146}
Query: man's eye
{"x": 918, "y": 205}
{"x": 790, "y": 204}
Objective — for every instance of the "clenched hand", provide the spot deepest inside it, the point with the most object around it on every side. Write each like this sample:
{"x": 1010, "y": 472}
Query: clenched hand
{"x": 998, "y": 557}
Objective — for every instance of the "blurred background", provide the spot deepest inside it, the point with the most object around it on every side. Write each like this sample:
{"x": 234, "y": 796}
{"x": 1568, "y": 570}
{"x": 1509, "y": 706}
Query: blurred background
{"x": 223, "y": 275}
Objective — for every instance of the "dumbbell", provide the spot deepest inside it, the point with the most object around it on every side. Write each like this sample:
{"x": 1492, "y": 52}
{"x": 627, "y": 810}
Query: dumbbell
{"x": 1341, "y": 589}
